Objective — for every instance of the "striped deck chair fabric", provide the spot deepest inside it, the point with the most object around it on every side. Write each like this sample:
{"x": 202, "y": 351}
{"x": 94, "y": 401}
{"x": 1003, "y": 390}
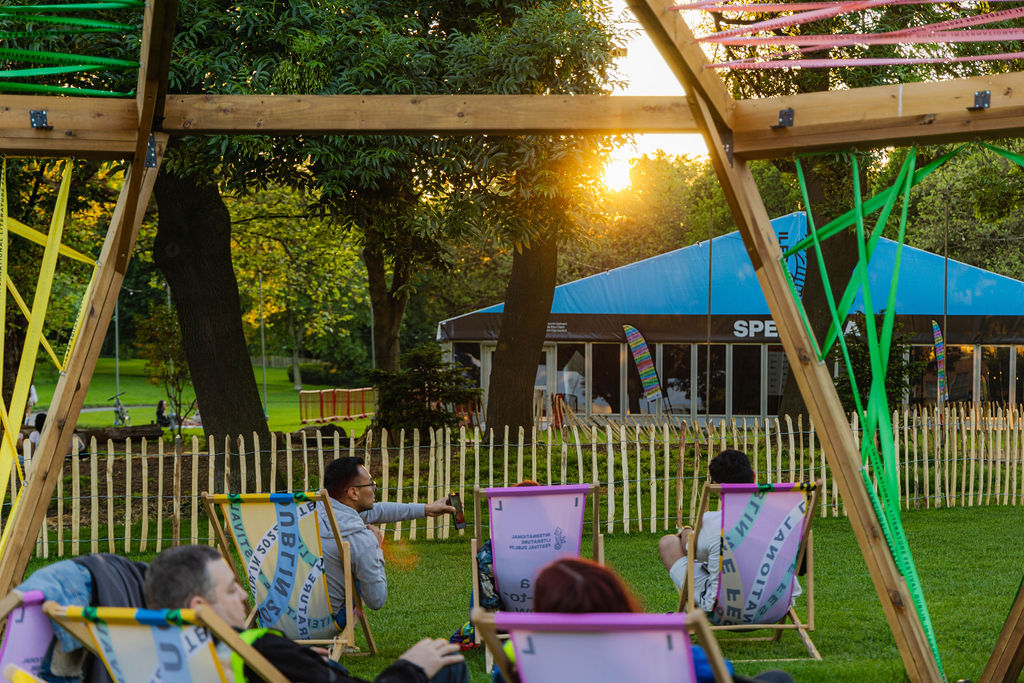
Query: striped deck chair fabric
{"x": 28, "y": 633}
{"x": 277, "y": 538}
{"x": 531, "y": 526}
{"x": 141, "y": 645}
{"x": 765, "y": 532}
{"x": 550, "y": 648}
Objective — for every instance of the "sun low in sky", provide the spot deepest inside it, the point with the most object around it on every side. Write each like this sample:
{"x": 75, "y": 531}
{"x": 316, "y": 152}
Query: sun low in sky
{"x": 647, "y": 74}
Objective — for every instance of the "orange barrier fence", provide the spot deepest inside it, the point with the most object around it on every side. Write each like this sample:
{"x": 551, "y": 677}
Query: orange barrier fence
{"x": 326, "y": 405}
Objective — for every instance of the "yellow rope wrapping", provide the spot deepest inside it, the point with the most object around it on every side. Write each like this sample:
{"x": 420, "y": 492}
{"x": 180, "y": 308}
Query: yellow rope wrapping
{"x": 40, "y": 302}
{"x": 28, "y": 316}
{"x": 78, "y": 320}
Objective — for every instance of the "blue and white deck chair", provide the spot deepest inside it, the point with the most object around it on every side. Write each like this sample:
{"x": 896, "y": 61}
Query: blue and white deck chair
{"x": 766, "y": 538}
{"x": 142, "y": 645}
{"x": 599, "y": 647}
{"x": 28, "y": 633}
{"x": 286, "y": 579}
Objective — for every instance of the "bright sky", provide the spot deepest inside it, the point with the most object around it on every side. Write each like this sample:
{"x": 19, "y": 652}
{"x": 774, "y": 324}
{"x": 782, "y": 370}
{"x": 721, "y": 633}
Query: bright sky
{"x": 647, "y": 74}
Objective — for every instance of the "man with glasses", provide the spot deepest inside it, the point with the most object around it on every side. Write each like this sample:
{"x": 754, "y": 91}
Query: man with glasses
{"x": 353, "y": 499}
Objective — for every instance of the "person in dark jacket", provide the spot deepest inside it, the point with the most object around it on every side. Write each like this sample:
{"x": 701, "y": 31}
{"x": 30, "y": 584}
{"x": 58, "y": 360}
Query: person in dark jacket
{"x": 189, "y": 576}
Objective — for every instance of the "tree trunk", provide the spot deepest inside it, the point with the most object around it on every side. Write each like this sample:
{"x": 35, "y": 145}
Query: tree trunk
{"x": 531, "y": 288}
{"x": 388, "y": 303}
{"x": 193, "y": 251}
{"x": 828, "y": 190}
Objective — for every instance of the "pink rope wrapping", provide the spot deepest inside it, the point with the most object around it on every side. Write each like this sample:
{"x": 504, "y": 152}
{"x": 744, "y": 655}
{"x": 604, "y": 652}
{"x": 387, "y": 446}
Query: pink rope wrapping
{"x": 962, "y": 22}
{"x": 718, "y": 7}
{"x": 835, "y": 63}
{"x": 825, "y": 41}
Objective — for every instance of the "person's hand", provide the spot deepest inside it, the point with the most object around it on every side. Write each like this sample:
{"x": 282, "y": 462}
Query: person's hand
{"x": 378, "y": 533}
{"x": 438, "y": 507}
{"x": 432, "y": 655}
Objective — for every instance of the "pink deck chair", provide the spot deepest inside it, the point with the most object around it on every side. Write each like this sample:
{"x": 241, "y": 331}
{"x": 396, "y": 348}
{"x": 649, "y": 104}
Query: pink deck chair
{"x": 766, "y": 537}
{"x": 28, "y": 632}
{"x": 552, "y": 648}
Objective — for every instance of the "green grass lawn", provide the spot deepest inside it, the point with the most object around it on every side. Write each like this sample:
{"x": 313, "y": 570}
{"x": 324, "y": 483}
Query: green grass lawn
{"x": 141, "y": 395}
{"x": 970, "y": 561}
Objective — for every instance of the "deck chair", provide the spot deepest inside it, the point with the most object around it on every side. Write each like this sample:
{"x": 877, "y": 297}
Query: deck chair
{"x": 766, "y": 538}
{"x": 288, "y": 589}
{"x": 143, "y": 645}
{"x": 530, "y": 526}
{"x": 550, "y": 648}
{"x": 28, "y": 633}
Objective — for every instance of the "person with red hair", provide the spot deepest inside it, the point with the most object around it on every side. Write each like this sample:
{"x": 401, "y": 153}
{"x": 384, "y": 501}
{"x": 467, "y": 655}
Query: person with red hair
{"x": 576, "y": 586}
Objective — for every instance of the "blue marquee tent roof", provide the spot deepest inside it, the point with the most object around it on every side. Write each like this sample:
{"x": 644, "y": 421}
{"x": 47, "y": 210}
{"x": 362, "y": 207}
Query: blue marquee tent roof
{"x": 676, "y": 284}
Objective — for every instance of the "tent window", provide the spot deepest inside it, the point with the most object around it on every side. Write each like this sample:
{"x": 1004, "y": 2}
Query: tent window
{"x": 1019, "y": 378}
{"x": 778, "y": 370}
{"x": 715, "y": 378}
{"x": 467, "y": 356}
{"x": 960, "y": 373}
{"x": 571, "y": 380}
{"x": 638, "y": 403}
{"x": 995, "y": 374}
{"x": 675, "y": 360}
{"x": 746, "y": 379}
{"x": 924, "y": 390}
{"x": 606, "y": 383}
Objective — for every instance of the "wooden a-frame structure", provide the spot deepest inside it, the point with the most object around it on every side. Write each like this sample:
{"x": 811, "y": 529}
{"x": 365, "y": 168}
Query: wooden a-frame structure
{"x": 735, "y": 132}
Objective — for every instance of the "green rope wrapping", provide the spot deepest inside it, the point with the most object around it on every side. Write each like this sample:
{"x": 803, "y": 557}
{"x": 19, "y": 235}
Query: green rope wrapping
{"x": 58, "y": 27}
{"x": 876, "y": 416}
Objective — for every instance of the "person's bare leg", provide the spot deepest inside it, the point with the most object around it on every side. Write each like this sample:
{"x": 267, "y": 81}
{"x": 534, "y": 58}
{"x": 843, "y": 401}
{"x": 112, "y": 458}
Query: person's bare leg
{"x": 672, "y": 548}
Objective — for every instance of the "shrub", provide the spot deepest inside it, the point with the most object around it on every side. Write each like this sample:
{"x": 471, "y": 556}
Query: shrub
{"x": 423, "y": 393}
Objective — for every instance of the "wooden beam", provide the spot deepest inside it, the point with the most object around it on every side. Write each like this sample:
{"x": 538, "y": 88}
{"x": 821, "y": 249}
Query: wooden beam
{"x": 1007, "y": 660}
{"x": 425, "y": 114}
{"x": 69, "y": 395}
{"x": 815, "y": 382}
{"x": 684, "y": 56}
{"x": 90, "y": 127}
{"x": 926, "y": 113}
{"x": 155, "y": 61}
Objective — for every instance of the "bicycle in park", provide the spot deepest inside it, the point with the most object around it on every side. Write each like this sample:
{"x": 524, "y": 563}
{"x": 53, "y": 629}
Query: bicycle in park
{"x": 121, "y": 416}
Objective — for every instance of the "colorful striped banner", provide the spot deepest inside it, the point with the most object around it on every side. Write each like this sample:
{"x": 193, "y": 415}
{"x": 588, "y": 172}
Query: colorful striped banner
{"x": 940, "y": 361}
{"x": 644, "y": 363}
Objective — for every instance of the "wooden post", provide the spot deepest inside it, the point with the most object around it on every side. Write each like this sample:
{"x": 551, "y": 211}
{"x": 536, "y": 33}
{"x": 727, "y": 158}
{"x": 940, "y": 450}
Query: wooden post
{"x": 127, "y": 495}
{"x": 145, "y": 500}
{"x": 94, "y": 498}
{"x": 812, "y": 377}
{"x": 1007, "y": 660}
{"x": 111, "y": 546}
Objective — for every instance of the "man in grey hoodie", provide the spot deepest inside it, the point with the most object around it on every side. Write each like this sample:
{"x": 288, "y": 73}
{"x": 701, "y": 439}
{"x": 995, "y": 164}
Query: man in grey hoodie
{"x": 353, "y": 500}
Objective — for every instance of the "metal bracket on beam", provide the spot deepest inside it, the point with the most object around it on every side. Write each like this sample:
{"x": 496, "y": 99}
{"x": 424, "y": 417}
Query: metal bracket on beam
{"x": 982, "y": 100}
{"x": 727, "y": 147}
{"x": 37, "y": 117}
{"x": 785, "y": 119}
{"x": 151, "y": 152}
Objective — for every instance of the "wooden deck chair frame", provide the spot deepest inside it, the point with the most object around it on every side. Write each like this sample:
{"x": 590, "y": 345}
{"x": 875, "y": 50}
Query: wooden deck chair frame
{"x": 696, "y": 622}
{"x": 342, "y": 644}
{"x": 597, "y": 549}
{"x": 204, "y": 616}
{"x": 806, "y": 552}
{"x": 9, "y": 603}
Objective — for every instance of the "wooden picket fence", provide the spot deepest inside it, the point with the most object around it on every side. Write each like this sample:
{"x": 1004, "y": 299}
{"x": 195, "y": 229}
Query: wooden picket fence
{"x": 141, "y": 498}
